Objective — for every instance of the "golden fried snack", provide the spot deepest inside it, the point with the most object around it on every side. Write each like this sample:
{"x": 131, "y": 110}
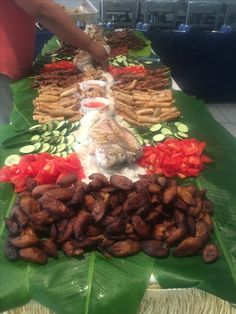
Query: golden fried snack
{"x": 69, "y": 92}
{"x": 128, "y": 119}
{"x": 131, "y": 114}
{"x": 63, "y": 113}
{"x": 76, "y": 118}
{"x": 148, "y": 111}
{"x": 132, "y": 85}
{"x": 147, "y": 119}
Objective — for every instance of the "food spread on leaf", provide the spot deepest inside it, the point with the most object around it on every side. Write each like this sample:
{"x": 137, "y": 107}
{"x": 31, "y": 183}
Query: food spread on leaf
{"x": 106, "y": 180}
{"x": 117, "y": 217}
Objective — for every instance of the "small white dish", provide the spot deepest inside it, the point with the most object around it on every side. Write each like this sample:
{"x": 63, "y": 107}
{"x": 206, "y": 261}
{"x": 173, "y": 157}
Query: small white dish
{"x": 96, "y": 103}
{"x": 86, "y": 85}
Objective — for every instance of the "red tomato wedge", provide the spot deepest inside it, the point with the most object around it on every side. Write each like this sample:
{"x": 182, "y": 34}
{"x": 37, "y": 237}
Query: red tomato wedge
{"x": 43, "y": 168}
{"x": 173, "y": 157}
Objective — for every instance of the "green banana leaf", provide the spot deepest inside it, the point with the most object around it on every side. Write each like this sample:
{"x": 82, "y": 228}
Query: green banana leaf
{"x": 93, "y": 284}
{"x": 146, "y": 51}
{"x": 5, "y": 132}
{"x": 50, "y": 46}
{"x": 23, "y": 95}
{"x": 117, "y": 285}
{"x": 219, "y": 278}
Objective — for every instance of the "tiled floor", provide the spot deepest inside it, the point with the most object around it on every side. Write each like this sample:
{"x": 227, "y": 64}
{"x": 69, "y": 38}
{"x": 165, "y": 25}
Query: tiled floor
{"x": 225, "y": 114}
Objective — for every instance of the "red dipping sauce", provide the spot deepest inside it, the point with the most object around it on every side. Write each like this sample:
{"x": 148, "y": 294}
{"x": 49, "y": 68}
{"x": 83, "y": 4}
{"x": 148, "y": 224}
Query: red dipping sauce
{"x": 94, "y": 104}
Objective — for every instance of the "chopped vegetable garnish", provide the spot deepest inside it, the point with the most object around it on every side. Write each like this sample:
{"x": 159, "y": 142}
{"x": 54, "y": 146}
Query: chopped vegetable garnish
{"x": 173, "y": 157}
{"x": 43, "y": 168}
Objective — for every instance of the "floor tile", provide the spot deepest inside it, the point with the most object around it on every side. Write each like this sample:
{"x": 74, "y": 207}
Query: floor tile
{"x": 230, "y": 127}
{"x": 228, "y": 110}
{"x": 175, "y": 86}
{"x": 216, "y": 113}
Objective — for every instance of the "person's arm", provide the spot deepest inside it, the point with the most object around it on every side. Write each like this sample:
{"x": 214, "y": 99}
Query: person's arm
{"x": 55, "y": 19}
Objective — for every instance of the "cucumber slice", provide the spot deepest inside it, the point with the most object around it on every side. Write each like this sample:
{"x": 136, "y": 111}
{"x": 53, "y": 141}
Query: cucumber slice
{"x": 177, "y": 136}
{"x": 182, "y": 135}
{"x": 61, "y": 148}
{"x": 47, "y": 134}
{"x": 155, "y": 127}
{"x": 37, "y": 127}
{"x": 58, "y": 154}
{"x": 55, "y": 122}
{"x": 115, "y": 64}
{"x": 148, "y": 62}
{"x": 45, "y": 128}
{"x": 54, "y": 150}
{"x": 56, "y": 133}
{"x": 38, "y": 146}
{"x": 177, "y": 123}
{"x": 119, "y": 59}
{"x": 146, "y": 142}
{"x": 70, "y": 139}
{"x": 28, "y": 149}
{"x": 61, "y": 125}
{"x": 50, "y": 125}
{"x": 64, "y": 154}
{"x": 47, "y": 139}
{"x": 69, "y": 127}
{"x": 12, "y": 160}
{"x": 57, "y": 140}
{"x": 36, "y": 138}
{"x": 45, "y": 148}
{"x": 62, "y": 139}
{"x": 166, "y": 131}
{"x": 63, "y": 131}
{"x": 76, "y": 124}
{"x": 125, "y": 63}
{"x": 158, "y": 137}
{"x": 54, "y": 141}
{"x": 182, "y": 128}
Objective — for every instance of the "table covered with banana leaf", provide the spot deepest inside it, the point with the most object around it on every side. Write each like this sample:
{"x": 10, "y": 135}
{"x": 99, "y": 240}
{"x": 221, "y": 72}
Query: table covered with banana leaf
{"x": 82, "y": 231}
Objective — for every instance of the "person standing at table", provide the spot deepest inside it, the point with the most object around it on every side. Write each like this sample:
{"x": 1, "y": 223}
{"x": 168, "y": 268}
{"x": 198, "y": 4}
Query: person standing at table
{"x": 17, "y": 41}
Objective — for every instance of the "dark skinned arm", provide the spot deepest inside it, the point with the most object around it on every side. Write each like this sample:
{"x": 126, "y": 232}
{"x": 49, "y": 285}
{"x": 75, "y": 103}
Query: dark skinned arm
{"x": 56, "y": 20}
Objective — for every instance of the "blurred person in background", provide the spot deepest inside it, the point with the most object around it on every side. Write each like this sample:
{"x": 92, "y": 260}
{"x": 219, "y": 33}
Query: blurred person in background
{"x": 17, "y": 41}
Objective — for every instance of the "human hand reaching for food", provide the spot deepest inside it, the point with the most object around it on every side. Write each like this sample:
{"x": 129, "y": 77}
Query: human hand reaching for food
{"x": 99, "y": 52}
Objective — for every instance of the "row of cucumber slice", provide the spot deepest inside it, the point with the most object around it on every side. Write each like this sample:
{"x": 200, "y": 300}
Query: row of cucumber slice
{"x": 177, "y": 130}
{"x": 123, "y": 61}
{"x": 53, "y": 137}
{"x": 159, "y": 132}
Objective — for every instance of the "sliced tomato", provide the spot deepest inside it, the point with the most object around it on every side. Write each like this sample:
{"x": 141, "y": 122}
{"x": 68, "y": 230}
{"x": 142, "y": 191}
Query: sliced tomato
{"x": 20, "y": 182}
{"x": 205, "y": 159}
{"x": 44, "y": 168}
{"x": 175, "y": 157}
{"x": 195, "y": 161}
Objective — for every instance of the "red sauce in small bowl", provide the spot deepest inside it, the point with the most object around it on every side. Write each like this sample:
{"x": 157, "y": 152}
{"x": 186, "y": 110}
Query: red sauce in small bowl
{"x": 94, "y": 104}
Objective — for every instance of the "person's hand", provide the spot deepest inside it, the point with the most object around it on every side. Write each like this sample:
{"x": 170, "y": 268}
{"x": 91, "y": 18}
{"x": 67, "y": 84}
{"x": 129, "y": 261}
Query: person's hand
{"x": 98, "y": 52}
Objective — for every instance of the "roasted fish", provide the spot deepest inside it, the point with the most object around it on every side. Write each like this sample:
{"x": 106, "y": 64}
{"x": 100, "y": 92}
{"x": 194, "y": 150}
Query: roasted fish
{"x": 113, "y": 144}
